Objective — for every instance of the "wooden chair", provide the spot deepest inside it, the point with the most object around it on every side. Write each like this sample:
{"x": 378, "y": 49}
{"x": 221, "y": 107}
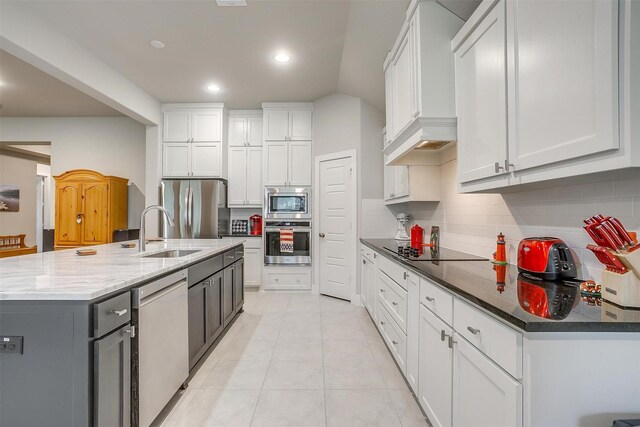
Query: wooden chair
{"x": 14, "y": 246}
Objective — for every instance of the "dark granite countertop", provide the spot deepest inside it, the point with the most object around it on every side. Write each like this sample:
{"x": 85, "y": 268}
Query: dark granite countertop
{"x": 475, "y": 281}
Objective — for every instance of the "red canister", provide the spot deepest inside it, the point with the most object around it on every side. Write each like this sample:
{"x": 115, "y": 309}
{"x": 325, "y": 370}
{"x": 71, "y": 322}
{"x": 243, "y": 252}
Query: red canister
{"x": 417, "y": 236}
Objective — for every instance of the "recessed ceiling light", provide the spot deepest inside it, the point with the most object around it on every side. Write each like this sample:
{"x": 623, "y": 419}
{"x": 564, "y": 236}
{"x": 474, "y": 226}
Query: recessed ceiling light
{"x": 213, "y": 88}
{"x": 282, "y": 57}
{"x": 1, "y": 83}
{"x": 157, "y": 44}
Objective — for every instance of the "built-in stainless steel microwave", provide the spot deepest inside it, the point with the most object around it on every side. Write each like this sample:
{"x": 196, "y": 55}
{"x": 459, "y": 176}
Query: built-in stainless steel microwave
{"x": 287, "y": 202}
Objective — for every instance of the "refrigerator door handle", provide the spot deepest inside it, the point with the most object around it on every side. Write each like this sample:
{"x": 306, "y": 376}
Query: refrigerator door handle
{"x": 190, "y": 212}
{"x": 162, "y": 224}
{"x": 186, "y": 212}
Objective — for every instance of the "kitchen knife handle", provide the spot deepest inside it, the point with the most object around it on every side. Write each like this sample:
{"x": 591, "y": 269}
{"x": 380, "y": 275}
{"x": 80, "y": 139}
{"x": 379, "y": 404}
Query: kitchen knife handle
{"x": 621, "y": 230}
{"x": 606, "y": 237}
{"x": 613, "y": 234}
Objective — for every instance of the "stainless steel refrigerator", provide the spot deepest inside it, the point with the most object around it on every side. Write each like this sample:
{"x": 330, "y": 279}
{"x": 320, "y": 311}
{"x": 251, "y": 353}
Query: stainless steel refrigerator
{"x": 198, "y": 207}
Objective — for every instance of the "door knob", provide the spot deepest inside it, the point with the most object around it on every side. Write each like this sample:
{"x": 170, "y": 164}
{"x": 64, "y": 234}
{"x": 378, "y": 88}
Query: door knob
{"x": 321, "y": 234}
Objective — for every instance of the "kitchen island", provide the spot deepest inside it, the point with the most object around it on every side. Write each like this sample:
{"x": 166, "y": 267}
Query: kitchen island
{"x": 75, "y": 340}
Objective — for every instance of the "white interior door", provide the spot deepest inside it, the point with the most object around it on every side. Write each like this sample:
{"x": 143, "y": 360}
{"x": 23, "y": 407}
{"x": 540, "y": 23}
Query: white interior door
{"x": 334, "y": 227}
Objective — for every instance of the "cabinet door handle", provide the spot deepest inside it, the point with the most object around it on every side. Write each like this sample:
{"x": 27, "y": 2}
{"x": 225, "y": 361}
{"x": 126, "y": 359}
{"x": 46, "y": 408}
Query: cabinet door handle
{"x": 394, "y": 303}
{"x": 321, "y": 234}
{"x": 394, "y": 342}
{"x": 382, "y": 323}
{"x": 375, "y": 256}
{"x": 451, "y": 341}
{"x": 497, "y": 167}
{"x": 507, "y": 165}
{"x": 131, "y": 331}
{"x": 429, "y": 299}
{"x": 406, "y": 275}
{"x": 443, "y": 335}
{"x": 364, "y": 262}
{"x": 474, "y": 331}
{"x": 119, "y": 312}
{"x": 382, "y": 290}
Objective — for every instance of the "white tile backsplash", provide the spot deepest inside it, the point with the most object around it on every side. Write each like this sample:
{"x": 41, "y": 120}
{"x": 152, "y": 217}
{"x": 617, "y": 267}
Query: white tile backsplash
{"x": 470, "y": 222}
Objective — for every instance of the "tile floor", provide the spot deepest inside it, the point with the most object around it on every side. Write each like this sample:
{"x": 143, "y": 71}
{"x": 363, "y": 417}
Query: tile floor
{"x": 297, "y": 360}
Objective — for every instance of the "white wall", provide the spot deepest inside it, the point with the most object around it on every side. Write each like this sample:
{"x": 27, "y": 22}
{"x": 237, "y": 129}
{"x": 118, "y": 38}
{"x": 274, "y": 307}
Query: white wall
{"x": 336, "y": 124}
{"x": 470, "y": 222}
{"x": 109, "y": 145}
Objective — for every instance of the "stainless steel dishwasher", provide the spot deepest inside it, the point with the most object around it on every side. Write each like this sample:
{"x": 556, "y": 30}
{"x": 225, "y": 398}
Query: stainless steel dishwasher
{"x": 162, "y": 359}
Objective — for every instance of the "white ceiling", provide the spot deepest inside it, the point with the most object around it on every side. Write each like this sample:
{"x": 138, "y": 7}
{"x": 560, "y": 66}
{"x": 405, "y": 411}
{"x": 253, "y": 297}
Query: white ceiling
{"x": 30, "y": 92}
{"x": 336, "y": 45}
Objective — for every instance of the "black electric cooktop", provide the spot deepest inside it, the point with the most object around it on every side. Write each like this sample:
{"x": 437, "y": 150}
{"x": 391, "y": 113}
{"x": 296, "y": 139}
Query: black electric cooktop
{"x": 442, "y": 254}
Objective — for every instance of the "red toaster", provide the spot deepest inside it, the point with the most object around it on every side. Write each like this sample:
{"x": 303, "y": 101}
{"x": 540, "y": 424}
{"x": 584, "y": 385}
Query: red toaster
{"x": 546, "y": 257}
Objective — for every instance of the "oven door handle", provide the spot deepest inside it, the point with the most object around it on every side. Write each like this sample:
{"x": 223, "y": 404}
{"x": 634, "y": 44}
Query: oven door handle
{"x": 299, "y": 229}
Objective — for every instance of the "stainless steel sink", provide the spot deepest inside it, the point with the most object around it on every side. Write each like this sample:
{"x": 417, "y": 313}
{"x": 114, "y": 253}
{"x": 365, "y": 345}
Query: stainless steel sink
{"x": 172, "y": 253}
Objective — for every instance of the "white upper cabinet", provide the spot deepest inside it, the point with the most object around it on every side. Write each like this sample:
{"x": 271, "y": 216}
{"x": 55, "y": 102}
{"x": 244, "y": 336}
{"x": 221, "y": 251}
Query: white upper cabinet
{"x": 276, "y": 125}
{"x": 287, "y": 163}
{"x": 245, "y": 128}
{"x": 411, "y": 184}
{"x": 177, "y": 126}
{"x": 245, "y": 177}
{"x": 187, "y": 124}
{"x": 288, "y": 128}
{"x": 206, "y": 125}
{"x": 276, "y": 163}
{"x": 254, "y": 131}
{"x": 300, "y": 125}
{"x": 285, "y": 122}
{"x": 254, "y": 176}
{"x": 237, "y": 131}
{"x": 481, "y": 99}
{"x": 547, "y": 95}
{"x": 237, "y": 189}
{"x": 176, "y": 159}
{"x": 565, "y": 80}
{"x": 403, "y": 84}
{"x": 193, "y": 141}
{"x": 419, "y": 80}
{"x": 206, "y": 159}
{"x": 300, "y": 163}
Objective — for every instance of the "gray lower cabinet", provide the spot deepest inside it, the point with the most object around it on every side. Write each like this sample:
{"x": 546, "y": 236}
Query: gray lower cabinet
{"x": 213, "y": 291}
{"x": 112, "y": 379}
{"x": 214, "y": 301}
{"x": 228, "y": 308}
{"x": 197, "y": 324}
{"x": 238, "y": 285}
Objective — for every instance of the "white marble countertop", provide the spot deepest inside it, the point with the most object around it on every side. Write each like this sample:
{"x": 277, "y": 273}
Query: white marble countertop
{"x": 63, "y": 275}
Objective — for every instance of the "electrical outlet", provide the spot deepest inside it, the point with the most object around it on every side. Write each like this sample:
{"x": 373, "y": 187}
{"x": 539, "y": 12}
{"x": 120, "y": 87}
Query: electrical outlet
{"x": 11, "y": 345}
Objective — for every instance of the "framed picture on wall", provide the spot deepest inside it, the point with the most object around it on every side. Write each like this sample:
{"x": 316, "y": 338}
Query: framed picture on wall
{"x": 9, "y": 198}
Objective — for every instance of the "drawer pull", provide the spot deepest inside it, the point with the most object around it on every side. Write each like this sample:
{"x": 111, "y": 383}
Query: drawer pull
{"x": 131, "y": 331}
{"x": 382, "y": 323}
{"x": 473, "y": 330}
{"x": 382, "y": 290}
{"x": 119, "y": 312}
{"x": 394, "y": 303}
{"x": 429, "y": 299}
{"x": 394, "y": 342}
